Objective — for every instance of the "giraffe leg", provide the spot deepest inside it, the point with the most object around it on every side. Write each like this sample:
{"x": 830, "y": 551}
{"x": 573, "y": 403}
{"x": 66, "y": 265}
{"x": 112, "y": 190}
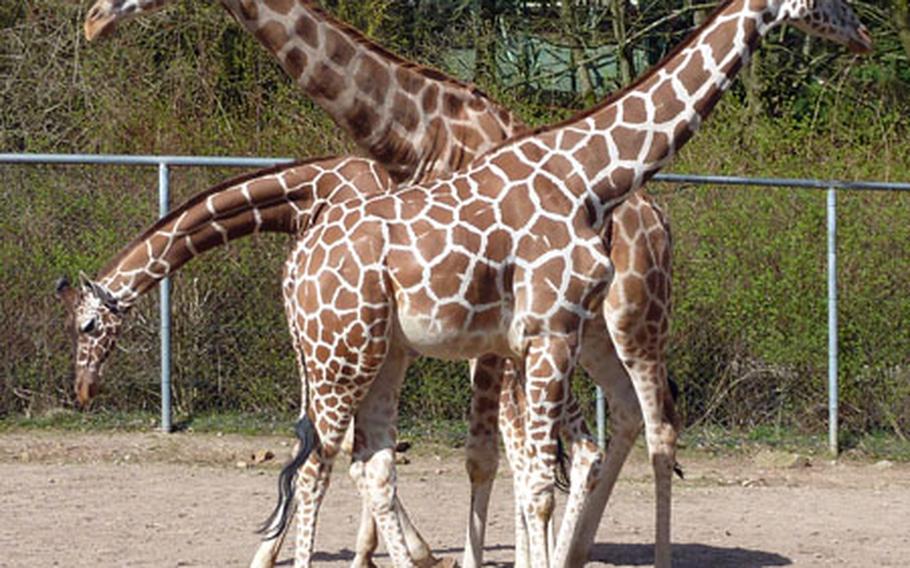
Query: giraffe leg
{"x": 367, "y": 538}
{"x": 587, "y": 462}
{"x": 649, "y": 377}
{"x": 625, "y": 423}
{"x": 373, "y": 465}
{"x": 548, "y": 367}
{"x": 511, "y": 426}
{"x": 482, "y": 451}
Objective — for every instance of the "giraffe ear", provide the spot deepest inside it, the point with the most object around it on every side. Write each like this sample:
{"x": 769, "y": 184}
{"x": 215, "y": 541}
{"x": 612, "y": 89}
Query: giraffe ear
{"x": 102, "y": 293}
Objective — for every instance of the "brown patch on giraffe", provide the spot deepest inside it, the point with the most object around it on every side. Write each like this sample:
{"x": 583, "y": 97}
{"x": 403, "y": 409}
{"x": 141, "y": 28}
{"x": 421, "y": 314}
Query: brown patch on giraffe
{"x": 452, "y": 104}
{"x": 466, "y": 237}
{"x": 272, "y": 35}
{"x": 491, "y": 128}
{"x": 668, "y": 106}
{"x": 635, "y": 290}
{"x": 488, "y": 183}
{"x": 307, "y": 30}
{"x": 328, "y": 85}
{"x": 280, "y": 6}
{"x": 338, "y": 48}
{"x": 629, "y": 142}
{"x": 721, "y": 38}
{"x": 552, "y": 232}
{"x": 570, "y": 139}
{"x": 430, "y": 99}
{"x": 372, "y": 78}
{"x": 361, "y": 118}
{"x": 249, "y": 9}
{"x": 694, "y": 75}
{"x": 295, "y": 62}
{"x": 593, "y": 155}
{"x": 452, "y": 315}
{"x": 499, "y": 246}
{"x": 441, "y": 215}
{"x": 552, "y": 199}
{"x": 606, "y": 118}
{"x": 622, "y": 177}
{"x": 634, "y": 110}
{"x": 477, "y": 213}
{"x": 409, "y": 81}
{"x": 405, "y": 112}
{"x": 468, "y": 135}
{"x": 518, "y": 208}
{"x": 516, "y": 169}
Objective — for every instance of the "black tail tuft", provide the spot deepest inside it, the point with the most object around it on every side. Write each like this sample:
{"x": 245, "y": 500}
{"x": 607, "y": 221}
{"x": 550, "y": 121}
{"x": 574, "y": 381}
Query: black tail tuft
{"x": 563, "y": 480}
{"x": 678, "y": 470}
{"x": 306, "y": 433}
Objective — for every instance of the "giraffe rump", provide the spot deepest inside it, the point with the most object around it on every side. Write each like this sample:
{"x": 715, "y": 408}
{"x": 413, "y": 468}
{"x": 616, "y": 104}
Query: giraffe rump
{"x": 278, "y": 520}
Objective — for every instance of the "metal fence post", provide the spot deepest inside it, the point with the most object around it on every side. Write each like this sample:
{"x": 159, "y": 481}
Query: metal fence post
{"x": 601, "y": 418}
{"x": 165, "y": 291}
{"x": 832, "y": 321}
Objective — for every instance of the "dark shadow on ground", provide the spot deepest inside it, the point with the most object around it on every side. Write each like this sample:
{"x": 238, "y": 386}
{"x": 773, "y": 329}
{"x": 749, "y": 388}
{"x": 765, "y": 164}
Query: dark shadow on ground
{"x": 686, "y": 555}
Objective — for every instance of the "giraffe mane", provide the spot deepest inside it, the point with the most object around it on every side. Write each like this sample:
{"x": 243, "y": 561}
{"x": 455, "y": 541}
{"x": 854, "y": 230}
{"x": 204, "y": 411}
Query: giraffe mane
{"x": 196, "y": 200}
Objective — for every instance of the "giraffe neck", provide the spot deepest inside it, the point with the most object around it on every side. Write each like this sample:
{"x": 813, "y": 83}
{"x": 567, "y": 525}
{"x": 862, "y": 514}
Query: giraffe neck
{"x": 277, "y": 200}
{"x": 416, "y": 122}
{"x": 617, "y": 146}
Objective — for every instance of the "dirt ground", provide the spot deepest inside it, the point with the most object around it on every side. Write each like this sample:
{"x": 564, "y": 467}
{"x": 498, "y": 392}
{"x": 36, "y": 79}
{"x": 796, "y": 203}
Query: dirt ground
{"x": 129, "y": 499}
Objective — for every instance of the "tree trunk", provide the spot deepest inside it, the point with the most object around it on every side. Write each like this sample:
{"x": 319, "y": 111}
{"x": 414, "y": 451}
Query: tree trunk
{"x": 623, "y": 49}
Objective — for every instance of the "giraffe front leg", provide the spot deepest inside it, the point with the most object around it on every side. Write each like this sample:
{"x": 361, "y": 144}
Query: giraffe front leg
{"x": 548, "y": 366}
{"x": 587, "y": 462}
{"x": 367, "y": 539}
{"x": 599, "y": 360}
{"x": 482, "y": 451}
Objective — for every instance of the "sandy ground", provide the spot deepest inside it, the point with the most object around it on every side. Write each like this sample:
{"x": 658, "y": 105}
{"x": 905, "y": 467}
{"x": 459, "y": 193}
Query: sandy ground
{"x": 182, "y": 500}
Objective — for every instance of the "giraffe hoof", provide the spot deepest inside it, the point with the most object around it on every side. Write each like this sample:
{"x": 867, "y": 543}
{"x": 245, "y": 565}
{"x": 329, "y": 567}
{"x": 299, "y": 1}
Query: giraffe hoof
{"x": 445, "y": 563}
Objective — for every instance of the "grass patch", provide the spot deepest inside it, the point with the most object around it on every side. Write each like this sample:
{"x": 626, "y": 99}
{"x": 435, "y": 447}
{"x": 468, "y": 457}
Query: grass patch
{"x": 453, "y": 433}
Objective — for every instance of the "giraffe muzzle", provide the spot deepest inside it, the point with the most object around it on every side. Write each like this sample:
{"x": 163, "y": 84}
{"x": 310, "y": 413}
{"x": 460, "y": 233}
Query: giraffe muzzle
{"x": 86, "y": 390}
{"x": 98, "y": 25}
{"x": 862, "y": 43}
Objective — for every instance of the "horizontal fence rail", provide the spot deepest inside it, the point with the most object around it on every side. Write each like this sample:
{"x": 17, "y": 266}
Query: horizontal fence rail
{"x": 164, "y": 163}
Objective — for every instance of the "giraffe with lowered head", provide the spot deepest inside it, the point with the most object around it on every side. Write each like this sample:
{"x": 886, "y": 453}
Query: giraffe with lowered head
{"x": 423, "y": 124}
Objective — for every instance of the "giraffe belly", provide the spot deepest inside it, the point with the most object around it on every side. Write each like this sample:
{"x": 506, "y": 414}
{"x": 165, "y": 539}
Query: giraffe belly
{"x": 444, "y": 335}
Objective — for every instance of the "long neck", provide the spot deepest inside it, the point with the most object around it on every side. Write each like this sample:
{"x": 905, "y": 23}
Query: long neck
{"x": 416, "y": 122}
{"x": 620, "y": 144}
{"x": 277, "y": 200}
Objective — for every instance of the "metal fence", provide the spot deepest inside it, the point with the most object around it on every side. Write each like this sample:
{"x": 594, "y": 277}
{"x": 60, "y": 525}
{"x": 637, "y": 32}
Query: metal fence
{"x": 164, "y": 164}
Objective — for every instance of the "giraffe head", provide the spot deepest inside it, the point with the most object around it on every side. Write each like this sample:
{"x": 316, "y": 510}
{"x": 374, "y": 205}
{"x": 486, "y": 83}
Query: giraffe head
{"x": 94, "y": 319}
{"x": 104, "y": 15}
{"x": 833, "y": 20}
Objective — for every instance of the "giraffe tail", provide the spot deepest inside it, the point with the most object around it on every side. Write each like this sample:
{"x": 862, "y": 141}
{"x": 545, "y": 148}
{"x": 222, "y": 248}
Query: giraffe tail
{"x": 563, "y": 481}
{"x": 278, "y": 520}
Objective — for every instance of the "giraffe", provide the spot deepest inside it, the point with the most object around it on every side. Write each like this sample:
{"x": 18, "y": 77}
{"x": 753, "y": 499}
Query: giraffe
{"x": 422, "y": 125}
{"x": 544, "y": 290}
{"x": 521, "y": 226}
{"x": 283, "y": 199}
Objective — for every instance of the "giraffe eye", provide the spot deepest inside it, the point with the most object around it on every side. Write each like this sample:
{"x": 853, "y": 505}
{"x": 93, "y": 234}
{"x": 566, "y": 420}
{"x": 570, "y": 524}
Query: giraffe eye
{"x": 88, "y": 326}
